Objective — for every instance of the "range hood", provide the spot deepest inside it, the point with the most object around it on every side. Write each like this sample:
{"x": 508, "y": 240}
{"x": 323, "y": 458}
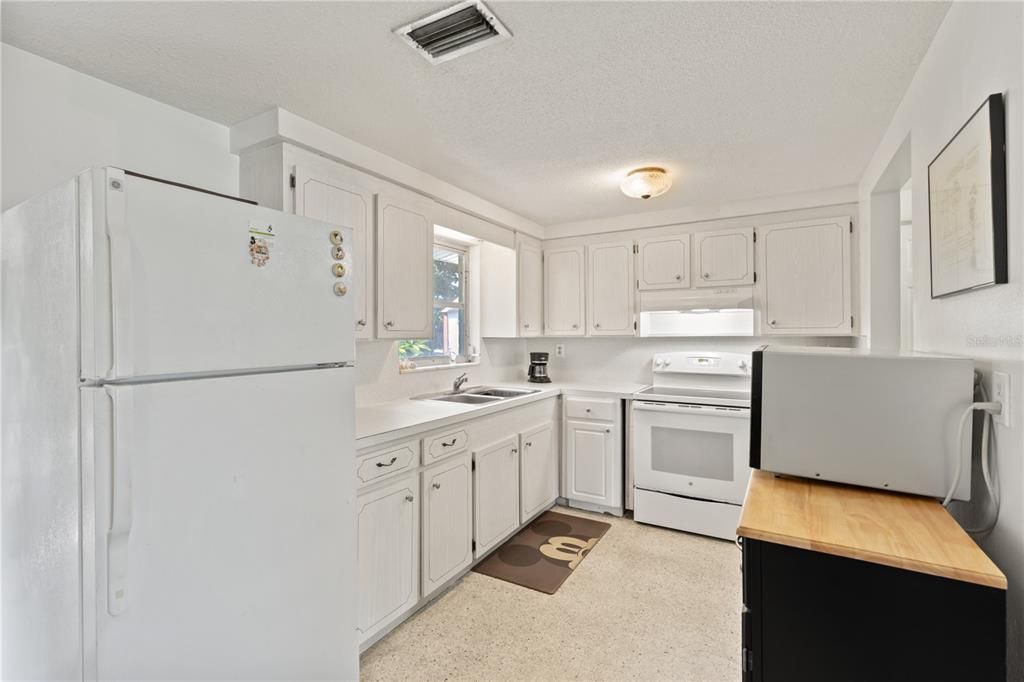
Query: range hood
{"x": 725, "y": 311}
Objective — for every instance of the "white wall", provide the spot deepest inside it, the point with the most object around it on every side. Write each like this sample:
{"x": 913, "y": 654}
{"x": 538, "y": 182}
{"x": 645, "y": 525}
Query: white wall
{"x": 977, "y": 51}
{"x": 57, "y": 122}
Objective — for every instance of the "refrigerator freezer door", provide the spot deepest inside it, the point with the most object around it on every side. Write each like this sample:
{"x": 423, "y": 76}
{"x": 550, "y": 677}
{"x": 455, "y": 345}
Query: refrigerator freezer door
{"x": 202, "y": 283}
{"x": 224, "y": 536}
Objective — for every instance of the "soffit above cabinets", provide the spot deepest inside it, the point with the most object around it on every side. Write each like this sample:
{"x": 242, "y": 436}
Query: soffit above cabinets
{"x": 736, "y": 100}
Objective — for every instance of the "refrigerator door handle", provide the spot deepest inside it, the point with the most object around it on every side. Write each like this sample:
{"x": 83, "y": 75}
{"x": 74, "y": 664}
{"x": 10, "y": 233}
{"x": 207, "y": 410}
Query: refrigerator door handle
{"x": 121, "y": 500}
{"x": 121, "y": 277}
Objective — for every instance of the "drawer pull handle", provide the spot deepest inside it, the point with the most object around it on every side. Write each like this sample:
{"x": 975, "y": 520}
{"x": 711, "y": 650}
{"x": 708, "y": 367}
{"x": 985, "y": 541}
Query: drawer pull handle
{"x": 393, "y": 460}
{"x": 437, "y": 486}
{"x": 452, "y": 442}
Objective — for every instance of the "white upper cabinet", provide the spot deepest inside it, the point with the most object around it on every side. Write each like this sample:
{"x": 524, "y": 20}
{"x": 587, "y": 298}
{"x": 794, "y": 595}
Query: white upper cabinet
{"x": 336, "y": 196}
{"x": 664, "y": 262}
{"x": 564, "y": 270}
{"x": 530, "y": 276}
{"x": 724, "y": 257}
{"x": 610, "y": 289}
{"x": 405, "y": 240}
{"x": 804, "y": 286}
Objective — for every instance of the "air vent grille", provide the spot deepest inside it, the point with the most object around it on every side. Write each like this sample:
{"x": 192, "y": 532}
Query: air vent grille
{"x": 460, "y": 29}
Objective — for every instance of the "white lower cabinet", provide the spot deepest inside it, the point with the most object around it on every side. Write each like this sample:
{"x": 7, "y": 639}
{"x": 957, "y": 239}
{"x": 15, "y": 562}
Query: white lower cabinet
{"x": 496, "y": 493}
{"x": 447, "y": 495}
{"x": 538, "y": 471}
{"x": 593, "y": 455}
{"x": 388, "y": 553}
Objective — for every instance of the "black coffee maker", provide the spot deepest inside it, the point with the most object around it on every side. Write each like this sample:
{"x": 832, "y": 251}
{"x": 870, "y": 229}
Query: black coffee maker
{"x": 538, "y": 372}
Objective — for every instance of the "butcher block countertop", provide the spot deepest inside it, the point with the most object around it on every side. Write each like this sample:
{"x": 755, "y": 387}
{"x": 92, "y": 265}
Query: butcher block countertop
{"x": 903, "y": 531}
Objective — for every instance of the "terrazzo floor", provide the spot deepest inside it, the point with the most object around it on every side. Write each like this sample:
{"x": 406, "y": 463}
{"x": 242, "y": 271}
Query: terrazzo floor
{"x": 646, "y": 604}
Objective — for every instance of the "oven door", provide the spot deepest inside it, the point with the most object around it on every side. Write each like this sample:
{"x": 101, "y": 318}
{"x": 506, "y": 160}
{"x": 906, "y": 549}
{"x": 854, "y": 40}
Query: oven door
{"x": 698, "y": 451}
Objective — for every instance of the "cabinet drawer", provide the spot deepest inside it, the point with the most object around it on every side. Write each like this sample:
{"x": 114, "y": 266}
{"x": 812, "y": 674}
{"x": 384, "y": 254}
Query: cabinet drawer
{"x": 441, "y": 445}
{"x": 590, "y": 408}
{"x": 387, "y": 462}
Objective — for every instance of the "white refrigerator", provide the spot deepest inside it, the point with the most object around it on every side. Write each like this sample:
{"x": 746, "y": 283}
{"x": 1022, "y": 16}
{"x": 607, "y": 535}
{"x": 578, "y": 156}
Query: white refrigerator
{"x": 178, "y": 459}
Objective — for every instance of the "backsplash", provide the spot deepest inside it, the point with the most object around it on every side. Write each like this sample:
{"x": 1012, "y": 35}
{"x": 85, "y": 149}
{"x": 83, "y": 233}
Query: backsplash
{"x": 594, "y": 360}
{"x": 378, "y": 379}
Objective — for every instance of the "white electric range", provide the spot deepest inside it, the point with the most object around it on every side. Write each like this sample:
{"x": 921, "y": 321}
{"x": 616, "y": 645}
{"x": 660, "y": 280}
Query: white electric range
{"x": 690, "y": 440}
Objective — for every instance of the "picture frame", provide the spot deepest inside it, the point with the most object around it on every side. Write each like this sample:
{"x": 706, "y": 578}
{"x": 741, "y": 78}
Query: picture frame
{"x": 967, "y": 239}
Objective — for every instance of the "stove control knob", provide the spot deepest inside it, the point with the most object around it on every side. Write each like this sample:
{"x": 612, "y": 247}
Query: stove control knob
{"x": 658, "y": 363}
{"x": 667, "y": 363}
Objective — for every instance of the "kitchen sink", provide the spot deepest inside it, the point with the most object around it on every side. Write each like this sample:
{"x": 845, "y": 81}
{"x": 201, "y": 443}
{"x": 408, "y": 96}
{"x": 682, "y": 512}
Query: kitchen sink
{"x": 503, "y": 392}
{"x": 478, "y": 395}
{"x": 467, "y": 398}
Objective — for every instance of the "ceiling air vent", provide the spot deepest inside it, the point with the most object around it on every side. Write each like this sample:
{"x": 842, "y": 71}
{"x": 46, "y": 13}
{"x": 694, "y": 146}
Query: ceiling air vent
{"x": 453, "y": 32}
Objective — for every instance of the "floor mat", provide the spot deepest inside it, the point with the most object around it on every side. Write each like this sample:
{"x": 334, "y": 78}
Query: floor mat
{"x": 545, "y": 553}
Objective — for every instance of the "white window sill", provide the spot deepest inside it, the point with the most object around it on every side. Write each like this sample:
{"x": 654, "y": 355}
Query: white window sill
{"x": 435, "y": 368}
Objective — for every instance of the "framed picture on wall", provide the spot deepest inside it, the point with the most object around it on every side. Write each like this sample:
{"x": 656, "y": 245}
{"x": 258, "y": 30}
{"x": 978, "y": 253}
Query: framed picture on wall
{"x": 967, "y": 205}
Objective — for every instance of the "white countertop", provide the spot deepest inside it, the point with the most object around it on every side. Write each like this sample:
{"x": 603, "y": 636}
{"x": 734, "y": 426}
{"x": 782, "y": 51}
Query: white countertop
{"x": 381, "y": 422}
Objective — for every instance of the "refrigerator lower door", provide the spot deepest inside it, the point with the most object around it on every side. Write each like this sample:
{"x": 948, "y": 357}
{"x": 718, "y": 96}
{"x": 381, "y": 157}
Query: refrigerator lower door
{"x": 177, "y": 282}
{"x": 224, "y": 529}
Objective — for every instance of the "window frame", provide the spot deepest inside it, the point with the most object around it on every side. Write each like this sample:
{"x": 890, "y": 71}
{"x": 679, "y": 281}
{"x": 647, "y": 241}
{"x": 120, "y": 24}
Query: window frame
{"x": 465, "y": 357}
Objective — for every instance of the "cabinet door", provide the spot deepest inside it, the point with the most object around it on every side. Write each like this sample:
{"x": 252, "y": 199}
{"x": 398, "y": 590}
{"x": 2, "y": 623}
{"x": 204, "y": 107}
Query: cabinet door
{"x": 724, "y": 257}
{"x": 338, "y": 197}
{"x": 447, "y": 495}
{"x": 388, "y": 554}
{"x": 805, "y": 277}
{"x": 563, "y": 292}
{"x": 610, "y": 289}
{"x": 496, "y": 493}
{"x": 405, "y": 241}
{"x": 538, "y": 471}
{"x": 531, "y": 289}
{"x": 664, "y": 262}
{"x": 593, "y": 463}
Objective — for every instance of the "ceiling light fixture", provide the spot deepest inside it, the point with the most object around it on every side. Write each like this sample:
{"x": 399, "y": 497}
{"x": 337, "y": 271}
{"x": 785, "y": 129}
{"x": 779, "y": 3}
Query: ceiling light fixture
{"x": 647, "y": 182}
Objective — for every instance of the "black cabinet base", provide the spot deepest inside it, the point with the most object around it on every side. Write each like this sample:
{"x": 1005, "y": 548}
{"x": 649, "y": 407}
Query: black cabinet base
{"x": 814, "y": 616}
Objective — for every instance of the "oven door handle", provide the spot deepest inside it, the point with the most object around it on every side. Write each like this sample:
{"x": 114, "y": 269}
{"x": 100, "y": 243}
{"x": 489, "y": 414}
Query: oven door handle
{"x": 679, "y": 408}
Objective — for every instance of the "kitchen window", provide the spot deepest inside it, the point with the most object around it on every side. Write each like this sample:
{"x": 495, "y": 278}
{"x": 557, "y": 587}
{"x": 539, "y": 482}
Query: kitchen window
{"x": 449, "y": 344}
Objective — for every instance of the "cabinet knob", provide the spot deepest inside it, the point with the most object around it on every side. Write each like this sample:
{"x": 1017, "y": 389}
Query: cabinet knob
{"x": 597, "y": 325}
{"x": 361, "y": 323}
{"x": 409, "y": 498}
{"x": 706, "y": 275}
{"x": 389, "y": 324}
{"x": 437, "y": 486}
{"x": 515, "y": 451}
{"x": 771, "y": 323}
{"x": 588, "y": 410}
{"x": 575, "y": 326}
{"x": 679, "y": 278}
{"x": 528, "y": 444}
{"x": 607, "y": 430}
{"x": 526, "y": 325}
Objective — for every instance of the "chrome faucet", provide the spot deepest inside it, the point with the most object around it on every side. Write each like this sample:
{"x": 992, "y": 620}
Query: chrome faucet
{"x": 458, "y": 383}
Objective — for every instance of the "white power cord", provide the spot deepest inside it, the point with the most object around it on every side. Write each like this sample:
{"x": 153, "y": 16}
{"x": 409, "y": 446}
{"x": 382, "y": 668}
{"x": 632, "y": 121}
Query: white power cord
{"x": 990, "y": 408}
{"x": 988, "y": 466}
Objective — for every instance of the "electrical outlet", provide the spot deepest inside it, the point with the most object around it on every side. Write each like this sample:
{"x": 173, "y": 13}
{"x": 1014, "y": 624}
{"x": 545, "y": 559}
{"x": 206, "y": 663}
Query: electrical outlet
{"x": 1001, "y": 393}
{"x": 559, "y": 350}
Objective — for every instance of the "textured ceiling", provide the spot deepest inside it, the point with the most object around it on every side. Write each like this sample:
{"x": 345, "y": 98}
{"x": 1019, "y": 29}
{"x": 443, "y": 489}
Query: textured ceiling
{"x": 738, "y": 100}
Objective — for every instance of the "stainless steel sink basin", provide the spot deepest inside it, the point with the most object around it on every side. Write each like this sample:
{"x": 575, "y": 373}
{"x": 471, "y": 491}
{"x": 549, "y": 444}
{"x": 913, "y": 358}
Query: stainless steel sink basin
{"x": 503, "y": 392}
{"x": 478, "y": 395}
{"x": 468, "y": 398}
